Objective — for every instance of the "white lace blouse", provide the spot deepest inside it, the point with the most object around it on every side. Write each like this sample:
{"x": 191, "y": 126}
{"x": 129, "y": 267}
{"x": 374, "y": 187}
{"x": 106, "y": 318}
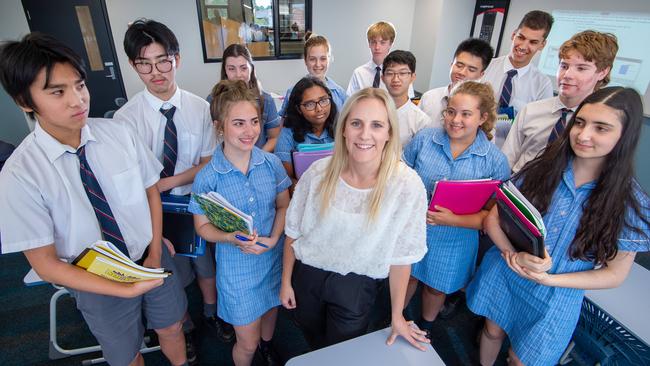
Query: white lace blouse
{"x": 343, "y": 241}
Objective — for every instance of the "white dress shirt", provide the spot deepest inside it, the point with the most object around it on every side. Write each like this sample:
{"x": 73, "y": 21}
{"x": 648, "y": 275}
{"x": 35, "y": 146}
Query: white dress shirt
{"x": 433, "y": 103}
{"x": 528, "y": 85}
{"x": 194, "y": 127}
{"x": 43, "y": 200}
{"x": 363, "y": 77}
{"x": 342, "y": 240}
{"x": 531, "y": 130}
{"x": 411, "y": 120}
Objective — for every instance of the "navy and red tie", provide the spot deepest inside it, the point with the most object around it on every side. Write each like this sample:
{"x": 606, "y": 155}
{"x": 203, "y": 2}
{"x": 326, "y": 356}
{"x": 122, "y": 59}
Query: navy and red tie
{"x": 506, "y": 91}
{"x": 170, "y": 147}
{"x": 110, "y": 230}
{"x": 559, "y": 126}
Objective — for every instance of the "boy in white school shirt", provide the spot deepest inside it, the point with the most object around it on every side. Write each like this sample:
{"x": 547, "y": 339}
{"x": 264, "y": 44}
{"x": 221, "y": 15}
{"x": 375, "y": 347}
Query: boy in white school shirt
{"x": 75, "y": 180}
{"x": 381, "y": 36}
{"x": 398, "y": 74}
{"x": 176, "y": 125}
{"x": 586, "y": 60}
{"x": 471, "y": 58}
{"x": 515, "y": 81}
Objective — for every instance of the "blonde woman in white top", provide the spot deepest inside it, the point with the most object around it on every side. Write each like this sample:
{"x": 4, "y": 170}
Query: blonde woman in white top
{"x": 355, "y": 219}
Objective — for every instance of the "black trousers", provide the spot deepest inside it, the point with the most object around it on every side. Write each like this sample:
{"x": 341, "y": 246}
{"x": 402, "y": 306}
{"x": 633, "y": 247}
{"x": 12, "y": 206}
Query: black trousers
{"x": 332, "y": 308}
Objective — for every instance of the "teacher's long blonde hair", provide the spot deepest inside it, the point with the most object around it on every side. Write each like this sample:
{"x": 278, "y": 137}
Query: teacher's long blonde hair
{"x": 390, "y": 158}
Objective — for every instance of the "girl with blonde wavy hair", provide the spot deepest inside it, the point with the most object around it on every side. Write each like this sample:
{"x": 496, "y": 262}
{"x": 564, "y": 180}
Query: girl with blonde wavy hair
{"x": 355, "y": 219}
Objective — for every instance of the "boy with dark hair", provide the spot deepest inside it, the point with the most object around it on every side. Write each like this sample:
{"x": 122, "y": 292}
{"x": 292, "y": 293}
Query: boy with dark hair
{"x": 381, "y": 36}
{"x": 176, "y": 125}
{"x": 398, "y": 74}
{"x": 515, "y": 81}
{"x": 74, "y": 181}
{"x": 586, "y": 60}
{"x": 471, "y": 58}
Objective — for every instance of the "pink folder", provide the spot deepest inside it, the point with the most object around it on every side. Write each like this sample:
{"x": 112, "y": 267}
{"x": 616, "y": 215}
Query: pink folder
{"x": 462, "y": 197}
{"x": 302, "y": 160}
{"x": 502, "y": 197}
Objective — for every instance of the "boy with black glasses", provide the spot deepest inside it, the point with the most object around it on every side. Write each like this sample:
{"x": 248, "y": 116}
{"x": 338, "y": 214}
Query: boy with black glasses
{"x": 176, "y": 125}
{"x": 398, "y": 73}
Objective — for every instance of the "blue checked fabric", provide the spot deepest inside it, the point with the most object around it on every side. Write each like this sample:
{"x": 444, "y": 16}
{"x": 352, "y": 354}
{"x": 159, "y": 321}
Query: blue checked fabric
{"x": 559, "y": 126}
{"x": 506, "y": 91}
{"x": 108, "y": 225}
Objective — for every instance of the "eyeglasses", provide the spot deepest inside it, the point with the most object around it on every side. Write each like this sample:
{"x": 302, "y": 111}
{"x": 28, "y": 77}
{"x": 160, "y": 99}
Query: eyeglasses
{"x": 400, "y": 75}
{"x": 311, "y": 105}
{"x": 162, "y": 66}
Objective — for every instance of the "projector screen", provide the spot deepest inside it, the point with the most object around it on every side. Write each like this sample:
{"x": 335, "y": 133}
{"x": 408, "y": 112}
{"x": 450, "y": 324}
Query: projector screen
{"x": 632, "y": 65}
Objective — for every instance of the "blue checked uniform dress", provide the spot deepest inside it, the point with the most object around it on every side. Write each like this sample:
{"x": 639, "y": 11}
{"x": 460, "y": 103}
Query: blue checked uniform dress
{"x": 286, "y": 144}
{"x": 248, "y": 285}
{"x": 270, "y": 118}
{"x": 451, "y": 256}
{"x": 538, "y": 319}
{"x": 338, "y": 97}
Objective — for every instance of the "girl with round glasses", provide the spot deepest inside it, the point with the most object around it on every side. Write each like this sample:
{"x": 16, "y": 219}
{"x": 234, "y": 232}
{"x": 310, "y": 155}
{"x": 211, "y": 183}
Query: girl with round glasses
{"x": 310, "y": 119}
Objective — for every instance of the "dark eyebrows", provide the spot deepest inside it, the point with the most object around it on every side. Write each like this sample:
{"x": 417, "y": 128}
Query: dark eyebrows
{"x": 60, "y": 86}
{"x": 164, "y": 55}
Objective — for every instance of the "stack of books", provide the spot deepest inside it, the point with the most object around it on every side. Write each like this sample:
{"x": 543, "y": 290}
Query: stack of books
{"x": 222, "y": 214}
{"x": 520, "y": 220}
{"x": 105, "y": 260}
{"x": 306, "y": 154}
{"x": 463, "y": 197}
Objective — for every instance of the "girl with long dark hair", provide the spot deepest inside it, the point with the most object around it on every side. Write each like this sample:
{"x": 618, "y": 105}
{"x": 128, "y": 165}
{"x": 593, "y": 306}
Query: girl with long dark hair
{"x": 310, "y": 118}
{"x": 596, "y": 216}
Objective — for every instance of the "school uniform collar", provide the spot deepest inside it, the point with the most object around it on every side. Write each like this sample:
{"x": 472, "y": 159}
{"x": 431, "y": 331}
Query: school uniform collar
{"x": 157, "y": 103}
{"x": 324, "y": 135}
{"x": 222, "y": 165}
{"x": 371, "y": 65}
{"x": 53, "y": 148}
{"x": 507, "y": 66}
{"x": 479, "y": 147}
{"x": 569, "y": 180}
{"x": 558, "y": 105}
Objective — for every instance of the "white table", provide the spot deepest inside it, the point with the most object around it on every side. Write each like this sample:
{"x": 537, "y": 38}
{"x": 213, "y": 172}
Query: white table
{"x": 629, "y": 303}
{"x": 370, "y": 349}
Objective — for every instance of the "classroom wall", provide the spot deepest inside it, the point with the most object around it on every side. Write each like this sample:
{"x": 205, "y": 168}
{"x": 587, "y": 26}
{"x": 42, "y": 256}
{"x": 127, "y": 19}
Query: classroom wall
{"x": 344, "y": 23}
{"x": 13, "y": 126}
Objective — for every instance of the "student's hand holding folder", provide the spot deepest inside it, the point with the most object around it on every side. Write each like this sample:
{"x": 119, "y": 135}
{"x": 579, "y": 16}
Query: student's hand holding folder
{"x": 442, "y": 216}
{"x": 541, "y": 277}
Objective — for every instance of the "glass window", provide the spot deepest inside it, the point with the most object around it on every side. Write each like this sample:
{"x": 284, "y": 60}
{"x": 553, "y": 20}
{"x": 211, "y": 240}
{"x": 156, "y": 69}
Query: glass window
{"x": 253, "y": 23}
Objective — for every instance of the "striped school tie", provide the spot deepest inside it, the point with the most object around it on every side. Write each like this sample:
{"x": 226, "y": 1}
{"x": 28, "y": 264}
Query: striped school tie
{"x": 559, "y": 126}
{"x": 506, "y": 91}
{"x": 375, "y": 83}
{"x": 110, "y": 230}
{"x": 171, "y": 143}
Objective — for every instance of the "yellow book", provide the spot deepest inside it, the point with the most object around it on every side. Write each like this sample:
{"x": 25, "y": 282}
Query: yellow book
{"x": 111, "y": 270}
{"x": 104, "y": 259}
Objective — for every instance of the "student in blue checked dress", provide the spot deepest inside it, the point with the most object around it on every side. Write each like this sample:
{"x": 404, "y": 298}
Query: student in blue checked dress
{"x": 596, "y": 216}
{"x": 254, "y": 181}
{"x": 238, "y": 65}
{"x": 318, "y": 54}
{"x": 310, "y": 119}
{"x": 460, "y": 150}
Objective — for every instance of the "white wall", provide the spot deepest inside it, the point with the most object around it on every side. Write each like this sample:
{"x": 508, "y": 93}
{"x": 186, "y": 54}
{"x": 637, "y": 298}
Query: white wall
{"x": 344, "y": 23}
{"x": 13, "y": 25}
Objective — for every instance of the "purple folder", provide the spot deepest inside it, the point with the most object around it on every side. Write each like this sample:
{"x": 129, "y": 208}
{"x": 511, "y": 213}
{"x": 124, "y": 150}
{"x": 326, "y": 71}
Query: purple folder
{"x": 302, "y": 160}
